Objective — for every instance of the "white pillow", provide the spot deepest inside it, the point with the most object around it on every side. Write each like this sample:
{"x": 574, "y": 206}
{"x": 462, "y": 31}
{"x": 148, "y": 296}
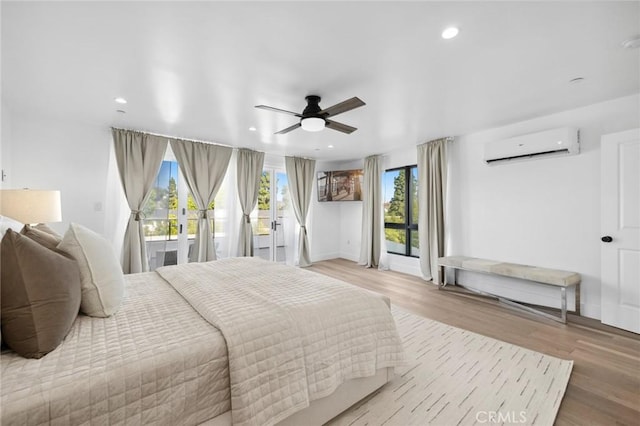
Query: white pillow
{"x": 100, "y": 271}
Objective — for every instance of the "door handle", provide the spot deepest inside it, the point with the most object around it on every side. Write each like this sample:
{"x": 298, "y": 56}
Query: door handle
{"x": 180, "y": 230}
{"x": 606, "y": 239}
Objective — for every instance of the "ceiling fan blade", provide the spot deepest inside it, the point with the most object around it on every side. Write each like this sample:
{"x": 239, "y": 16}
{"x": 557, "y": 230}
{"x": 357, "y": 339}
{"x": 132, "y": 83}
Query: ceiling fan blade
{"x": 288, "y": 129}
{"x": 340, "y": 127}
{"x": 268, "y": 108}
{"x": 344, "y": 106}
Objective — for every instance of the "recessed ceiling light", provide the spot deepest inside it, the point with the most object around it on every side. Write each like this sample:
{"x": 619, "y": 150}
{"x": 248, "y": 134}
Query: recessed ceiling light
{"x": 330, "y": 146}
{"x": 449, "y": 33}
{"x": 120, "y": 100}
{"x": 632, "y": 43}
{"x": 252, "y": 129}
{"x": 576, "y": 80}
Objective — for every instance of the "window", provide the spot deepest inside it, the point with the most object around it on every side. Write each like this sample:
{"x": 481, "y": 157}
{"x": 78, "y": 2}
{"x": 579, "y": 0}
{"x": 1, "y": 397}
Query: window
{"x": 401, "y": 211}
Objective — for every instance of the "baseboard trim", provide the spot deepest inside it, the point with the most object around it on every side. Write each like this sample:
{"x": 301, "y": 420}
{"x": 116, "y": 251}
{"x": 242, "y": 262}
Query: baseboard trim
{"x": 325, "y": 256}
{"x": 406, "y": 269}
{"x": 350, "y": 257}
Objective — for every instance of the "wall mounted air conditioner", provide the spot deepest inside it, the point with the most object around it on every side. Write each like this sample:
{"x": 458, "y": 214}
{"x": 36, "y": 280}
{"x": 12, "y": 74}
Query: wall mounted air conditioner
{"x": 564, "y": 141}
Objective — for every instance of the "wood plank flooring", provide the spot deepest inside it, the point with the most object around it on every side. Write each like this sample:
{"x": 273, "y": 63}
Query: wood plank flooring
{"x": 604, "y": 388}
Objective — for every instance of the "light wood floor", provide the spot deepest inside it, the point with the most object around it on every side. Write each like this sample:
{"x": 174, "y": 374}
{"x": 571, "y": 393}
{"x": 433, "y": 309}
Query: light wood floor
{"x": 604, "y": 388}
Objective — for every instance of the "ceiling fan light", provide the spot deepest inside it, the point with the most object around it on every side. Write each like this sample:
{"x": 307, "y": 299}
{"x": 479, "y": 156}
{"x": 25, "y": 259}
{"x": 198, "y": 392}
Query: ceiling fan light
{"x": 312, "y": 124}
{"x": 450, "y": 33}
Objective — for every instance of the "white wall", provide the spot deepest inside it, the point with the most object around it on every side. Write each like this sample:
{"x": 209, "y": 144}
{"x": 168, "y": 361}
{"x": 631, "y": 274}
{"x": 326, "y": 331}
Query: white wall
{"x": 344, "y": 237}
{"x": 5, "y": 146}
{"x": 350, "y": 213}
{"x": 543, "y": 212}
{"x": 351, "y": 216}
{"x": 326, "y": 219}
{"x": 70, "y": 157}
{"x": 350, "y": 235}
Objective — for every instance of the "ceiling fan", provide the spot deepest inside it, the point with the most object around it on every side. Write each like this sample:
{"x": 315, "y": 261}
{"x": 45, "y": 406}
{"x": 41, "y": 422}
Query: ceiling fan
{"x": 314, "y": 118}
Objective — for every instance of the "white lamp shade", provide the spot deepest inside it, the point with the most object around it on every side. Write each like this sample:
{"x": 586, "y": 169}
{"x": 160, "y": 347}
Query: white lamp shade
{"x": 31, "y": 206}
{"x": 312, "y": 124}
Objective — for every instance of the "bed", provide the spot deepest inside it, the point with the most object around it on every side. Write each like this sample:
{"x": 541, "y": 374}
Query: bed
{"x": 235, "y": 341}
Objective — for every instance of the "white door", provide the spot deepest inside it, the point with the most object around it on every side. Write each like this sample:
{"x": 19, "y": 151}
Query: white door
{"x": 620, "y": 238}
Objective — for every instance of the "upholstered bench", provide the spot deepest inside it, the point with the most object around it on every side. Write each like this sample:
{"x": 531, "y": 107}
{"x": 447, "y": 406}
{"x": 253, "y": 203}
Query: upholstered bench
{"x": 545, "y": 276}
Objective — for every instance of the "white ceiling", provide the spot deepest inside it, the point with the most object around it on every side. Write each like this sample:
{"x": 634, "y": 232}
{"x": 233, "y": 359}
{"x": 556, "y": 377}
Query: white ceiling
{"x": 197, "y": 69}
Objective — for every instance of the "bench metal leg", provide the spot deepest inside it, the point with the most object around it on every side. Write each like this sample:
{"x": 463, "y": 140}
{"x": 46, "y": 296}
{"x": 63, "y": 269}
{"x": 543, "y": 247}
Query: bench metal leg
{"x": 563, "y": 304}
{"x": 511, "y": 303}
{"x": 444, "y": 277}
{"x": 563, "y": 298}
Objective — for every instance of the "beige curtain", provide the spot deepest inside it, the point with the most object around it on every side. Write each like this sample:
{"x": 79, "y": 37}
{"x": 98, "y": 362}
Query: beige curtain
{"x": 249, "y": 172}
{"x": 300, "y": 172}
{"x": 139, "y": 156}
{"x": 372, "y": 223}
{"x": 203, "y": 167}
{"x": 432, "y": 187}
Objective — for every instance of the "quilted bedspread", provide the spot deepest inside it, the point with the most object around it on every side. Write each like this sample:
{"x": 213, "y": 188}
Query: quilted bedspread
{"x": 292, "y": 335}
{"x": 156, "y": 361}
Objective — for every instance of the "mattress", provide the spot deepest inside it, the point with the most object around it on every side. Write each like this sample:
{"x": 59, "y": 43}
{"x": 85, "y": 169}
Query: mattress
{"x": 155, "y": 362}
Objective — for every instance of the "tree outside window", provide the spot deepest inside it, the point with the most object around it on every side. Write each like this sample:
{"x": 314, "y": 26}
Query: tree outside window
{"x": 401, "y": 211}
{"x": 160, "y": 212}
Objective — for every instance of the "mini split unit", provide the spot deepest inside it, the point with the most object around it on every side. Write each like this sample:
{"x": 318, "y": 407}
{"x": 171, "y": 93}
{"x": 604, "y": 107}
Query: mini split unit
{"x": 564, "y": 141}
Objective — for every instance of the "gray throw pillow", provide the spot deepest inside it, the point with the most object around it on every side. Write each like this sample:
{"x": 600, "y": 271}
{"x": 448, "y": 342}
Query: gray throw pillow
{"x": 45, "y": 228}
{"x": 41, "y": 237}
{"x": 40, "y": 292}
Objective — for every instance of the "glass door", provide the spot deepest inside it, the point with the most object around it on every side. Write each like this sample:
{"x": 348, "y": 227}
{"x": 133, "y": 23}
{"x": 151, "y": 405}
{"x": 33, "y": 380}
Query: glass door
{"x": 271, "y": 216}
{"x": 162, "y": 224}
{"x": 170, "y": 217}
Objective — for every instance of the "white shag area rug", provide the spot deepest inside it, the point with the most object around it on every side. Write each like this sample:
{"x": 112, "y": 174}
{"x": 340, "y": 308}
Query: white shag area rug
{"x": 456, "y": 377}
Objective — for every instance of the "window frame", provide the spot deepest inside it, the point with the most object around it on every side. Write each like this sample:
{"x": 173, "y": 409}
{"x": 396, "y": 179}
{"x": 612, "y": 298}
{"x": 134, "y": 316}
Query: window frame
{"x": 408, "y": 224}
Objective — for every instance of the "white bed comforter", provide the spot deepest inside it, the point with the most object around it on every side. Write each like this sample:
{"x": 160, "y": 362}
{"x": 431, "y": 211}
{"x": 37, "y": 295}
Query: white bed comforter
{"x": 292, "y": 335}
{"x": 155, "y": 362}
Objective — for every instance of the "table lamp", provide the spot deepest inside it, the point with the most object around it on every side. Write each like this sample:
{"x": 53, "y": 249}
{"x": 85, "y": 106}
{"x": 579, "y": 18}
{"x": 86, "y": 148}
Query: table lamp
{"x": 31, "y": 206}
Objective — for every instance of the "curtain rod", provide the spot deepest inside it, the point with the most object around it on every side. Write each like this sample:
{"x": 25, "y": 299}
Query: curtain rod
{"x": 174, "y": 137}
{"x": 447, "y": 138}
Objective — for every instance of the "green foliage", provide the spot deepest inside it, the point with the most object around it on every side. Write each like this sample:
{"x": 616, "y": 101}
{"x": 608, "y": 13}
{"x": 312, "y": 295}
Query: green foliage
{"x": 395, "y": 212}
{"x": 165, "y": 201}
{"x": 264, "y": 192}
{"x": 395, "y": 235}
{"x": 414, "y": 196}
{"x": 396, "y": 209}
{"x": 173, "y": 194}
